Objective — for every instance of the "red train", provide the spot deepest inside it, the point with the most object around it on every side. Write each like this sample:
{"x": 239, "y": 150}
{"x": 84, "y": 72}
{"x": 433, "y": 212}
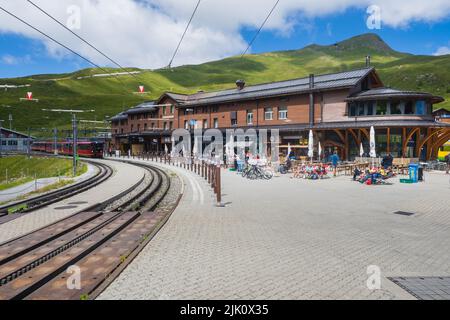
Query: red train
{"x": 86, "y": 149}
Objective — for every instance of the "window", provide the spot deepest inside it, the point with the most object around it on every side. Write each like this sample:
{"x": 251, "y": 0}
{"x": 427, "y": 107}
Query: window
{"x": 145, "y": 127}
{"x": 409, "y": 108}
{"x": 132, "y": 128}
{"x": 396, "y": 107}
{"x": 370, "y": 108}
{"x": 216, "y": 123}
{"x": 186, "y": 125}
{"x": 164, "y": 111}
{"x": 381, "y": 108}
{"x": 165, "y": 126}
{"x": 205, "y": 124}
{"x": 352, "y": 110}
{"x": 139, "y": 128}
{"x": 421, "y": 107}
{"x": 153, "y": 125}
{"x": 249, "y": 117}
{"x": 268, "y": 114}
{"x": 361, "y": 109}
{"x": 233, "y": 116}
{"x": 282, "y": 113}
{"x": 172, "y": 109}
{"x": 170, "y": 125}
{"x": 205, "y": 109}
{"x": 215, "y": 109}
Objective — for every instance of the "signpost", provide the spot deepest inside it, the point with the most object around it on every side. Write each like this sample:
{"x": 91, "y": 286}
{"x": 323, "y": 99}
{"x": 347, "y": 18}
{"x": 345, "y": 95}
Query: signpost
{"x": 29, "y": 97}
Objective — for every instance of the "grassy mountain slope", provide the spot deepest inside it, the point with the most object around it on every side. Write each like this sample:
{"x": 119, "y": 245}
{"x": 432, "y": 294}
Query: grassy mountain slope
{"x": 108, "y": 97}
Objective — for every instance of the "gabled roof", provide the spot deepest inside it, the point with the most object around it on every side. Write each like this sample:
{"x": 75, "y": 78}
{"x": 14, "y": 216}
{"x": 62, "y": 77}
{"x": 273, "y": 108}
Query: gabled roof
{"x": 21, "y": 135}
{"x": 148, "y": 106}
{"x": 119, "y": 117}
{"x": 393, "y": 93}
{"x": 347, "y": 79}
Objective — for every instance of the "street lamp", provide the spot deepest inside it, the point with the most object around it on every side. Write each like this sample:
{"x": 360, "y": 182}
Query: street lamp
{"x": 75, "y": 132}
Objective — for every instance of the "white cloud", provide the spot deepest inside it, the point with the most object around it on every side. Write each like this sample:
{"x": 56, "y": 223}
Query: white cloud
{"x": 442, "y": 51}
{"x": 145, "y": 33}
{"x": 14, "y": 60}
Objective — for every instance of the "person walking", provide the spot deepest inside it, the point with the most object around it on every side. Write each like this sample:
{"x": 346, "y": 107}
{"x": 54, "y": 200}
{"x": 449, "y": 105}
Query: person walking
{"x": 334, "y": 162}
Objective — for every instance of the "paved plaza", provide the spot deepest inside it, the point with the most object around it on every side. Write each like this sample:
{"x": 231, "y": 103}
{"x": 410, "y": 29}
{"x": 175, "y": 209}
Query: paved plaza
{"x": 293, "y": 239}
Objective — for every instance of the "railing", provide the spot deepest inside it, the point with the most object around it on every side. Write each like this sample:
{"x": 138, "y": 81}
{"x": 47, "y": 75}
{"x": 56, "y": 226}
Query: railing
{"x": 208, "y": 170}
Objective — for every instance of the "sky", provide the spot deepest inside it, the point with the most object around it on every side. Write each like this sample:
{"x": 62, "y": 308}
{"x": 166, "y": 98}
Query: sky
{"x": 145, "y": 33}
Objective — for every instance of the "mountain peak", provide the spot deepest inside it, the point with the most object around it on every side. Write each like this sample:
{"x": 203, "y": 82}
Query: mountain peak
{"x": 367, "y": 41}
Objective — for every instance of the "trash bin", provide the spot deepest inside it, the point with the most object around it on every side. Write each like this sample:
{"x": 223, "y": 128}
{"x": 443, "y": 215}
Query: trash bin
{"x": 240, "y": 164}
{"x": 414, "y": 173}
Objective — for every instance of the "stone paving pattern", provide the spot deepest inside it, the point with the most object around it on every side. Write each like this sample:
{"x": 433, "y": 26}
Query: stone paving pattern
{"x": 293, "y": 239}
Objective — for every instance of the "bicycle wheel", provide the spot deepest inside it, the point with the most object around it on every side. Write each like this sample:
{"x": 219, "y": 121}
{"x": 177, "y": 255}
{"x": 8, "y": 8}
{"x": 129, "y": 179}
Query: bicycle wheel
{"x": 268, "y": 175}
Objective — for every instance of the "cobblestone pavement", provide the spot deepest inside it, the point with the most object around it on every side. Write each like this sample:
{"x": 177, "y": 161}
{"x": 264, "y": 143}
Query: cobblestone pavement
{"x": 293, "y": 239}
{"x": 124, "y": 177}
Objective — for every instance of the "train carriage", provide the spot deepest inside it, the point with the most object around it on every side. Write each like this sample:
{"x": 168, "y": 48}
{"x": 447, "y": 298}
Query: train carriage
{"x": 87, "y": 149}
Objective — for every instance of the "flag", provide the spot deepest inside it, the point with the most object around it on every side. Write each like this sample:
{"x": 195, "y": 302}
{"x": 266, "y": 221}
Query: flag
{"x": 30, "y": 95}
{"x": 141, "y": 89}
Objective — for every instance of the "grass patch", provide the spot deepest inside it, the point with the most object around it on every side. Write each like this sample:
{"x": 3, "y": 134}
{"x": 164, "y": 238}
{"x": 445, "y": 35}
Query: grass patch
{"x": 15, "y": 171}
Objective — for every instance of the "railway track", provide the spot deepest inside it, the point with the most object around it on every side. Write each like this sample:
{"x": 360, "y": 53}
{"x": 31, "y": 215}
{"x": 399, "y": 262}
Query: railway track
{"x": 19, "y": 208}
{"x": 93, "y": 244}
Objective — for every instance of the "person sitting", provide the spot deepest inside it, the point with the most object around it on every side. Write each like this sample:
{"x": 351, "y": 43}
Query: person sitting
{"x": 387, "y": 161}
{"x": 357, "y": 173}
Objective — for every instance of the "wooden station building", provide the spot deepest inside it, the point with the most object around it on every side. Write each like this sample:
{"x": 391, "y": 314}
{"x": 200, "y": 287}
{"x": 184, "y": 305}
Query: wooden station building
{"x": 340, "y": 108}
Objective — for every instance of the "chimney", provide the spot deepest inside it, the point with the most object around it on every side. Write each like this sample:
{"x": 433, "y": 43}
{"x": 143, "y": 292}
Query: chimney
{"x": 311, "y": 81}
{"x": 240, "y": 84}
{"x": 367, "y": 61}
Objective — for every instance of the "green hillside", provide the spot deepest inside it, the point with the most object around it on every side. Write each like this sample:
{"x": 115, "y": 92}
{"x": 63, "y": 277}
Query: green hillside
{"x": 108, "y": 97}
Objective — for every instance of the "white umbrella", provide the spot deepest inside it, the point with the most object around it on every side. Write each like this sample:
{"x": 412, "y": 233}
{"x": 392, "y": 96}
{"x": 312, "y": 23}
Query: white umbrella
{"x": 320, "y": 150}
{"x": 172, "y": 154}
{"x": 361, "y": 150}
{"x": 311, "y": 145}
{"x": 373, "y": 152}
{"x": 289, "y": 150}
{"x": 195, "y": 149}
{"x": 230, "y": 147}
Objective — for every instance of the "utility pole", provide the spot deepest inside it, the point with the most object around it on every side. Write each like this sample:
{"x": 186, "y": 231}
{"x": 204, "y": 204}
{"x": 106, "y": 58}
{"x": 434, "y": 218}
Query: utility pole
{"x": 1, "y": 142}
{"x": 75, "y": 143}
{"x": 75, "y": 132}
{"x": 55, "y": 136}
{"x": 29, "y": 143}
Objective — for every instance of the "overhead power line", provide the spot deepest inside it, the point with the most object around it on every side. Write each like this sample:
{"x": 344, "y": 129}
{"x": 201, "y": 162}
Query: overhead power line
{"x": 260, "y": 28}
{"x": 82, "y": 39}
{"x": 62, "y": 45}
{"x": 184, "y": 34}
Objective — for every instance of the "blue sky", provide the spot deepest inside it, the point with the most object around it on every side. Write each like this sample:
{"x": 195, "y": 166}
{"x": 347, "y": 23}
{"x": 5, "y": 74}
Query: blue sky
{"x": 23, "y": 54}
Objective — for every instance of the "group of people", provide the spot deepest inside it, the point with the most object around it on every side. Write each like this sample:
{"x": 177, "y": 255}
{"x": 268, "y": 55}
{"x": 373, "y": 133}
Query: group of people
{"x": 311, "y": 171}
{"x": 373, "y": 175}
